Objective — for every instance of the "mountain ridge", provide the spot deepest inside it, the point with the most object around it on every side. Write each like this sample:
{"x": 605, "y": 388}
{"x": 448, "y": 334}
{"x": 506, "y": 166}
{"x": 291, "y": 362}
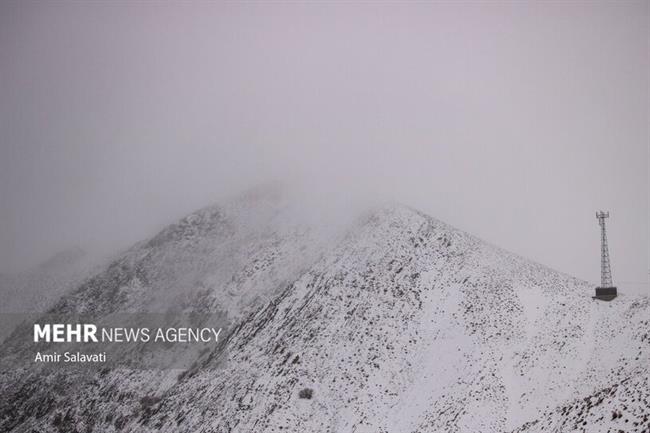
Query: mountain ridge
{"x": 399, "y": 322}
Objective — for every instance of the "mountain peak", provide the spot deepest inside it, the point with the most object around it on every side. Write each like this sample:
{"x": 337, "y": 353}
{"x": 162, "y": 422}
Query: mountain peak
{"x": 395, "y": 322}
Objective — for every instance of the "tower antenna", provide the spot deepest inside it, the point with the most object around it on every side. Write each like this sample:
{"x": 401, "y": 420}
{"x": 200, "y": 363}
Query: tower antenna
{"x": 606, "y": 291}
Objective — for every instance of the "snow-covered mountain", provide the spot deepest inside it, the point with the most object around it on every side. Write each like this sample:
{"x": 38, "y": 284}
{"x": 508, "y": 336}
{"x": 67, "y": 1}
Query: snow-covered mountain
{"x": 396, "y": 322}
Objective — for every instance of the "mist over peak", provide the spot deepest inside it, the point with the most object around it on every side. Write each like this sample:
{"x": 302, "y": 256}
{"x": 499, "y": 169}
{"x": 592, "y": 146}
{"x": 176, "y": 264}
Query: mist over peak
{"x": 120, "y": 118}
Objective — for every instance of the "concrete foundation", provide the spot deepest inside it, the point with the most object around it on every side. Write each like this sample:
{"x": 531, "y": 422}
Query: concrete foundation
{"x": 605, "y": 293}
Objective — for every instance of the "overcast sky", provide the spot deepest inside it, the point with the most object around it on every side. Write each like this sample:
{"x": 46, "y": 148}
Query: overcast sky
{"x": 513, "y": 121}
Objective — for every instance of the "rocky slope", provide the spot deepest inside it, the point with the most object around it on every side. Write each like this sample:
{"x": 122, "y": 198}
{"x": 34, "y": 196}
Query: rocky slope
{"x": 400, "y": 323}
{"x": 624, "y": 404}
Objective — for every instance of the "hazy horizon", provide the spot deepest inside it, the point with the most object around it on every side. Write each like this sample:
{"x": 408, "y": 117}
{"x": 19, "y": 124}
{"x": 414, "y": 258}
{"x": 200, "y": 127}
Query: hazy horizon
{"x": 512, "y": 121}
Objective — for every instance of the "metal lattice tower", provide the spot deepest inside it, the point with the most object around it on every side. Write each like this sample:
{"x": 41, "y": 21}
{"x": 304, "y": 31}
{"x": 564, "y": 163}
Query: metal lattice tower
{"x": 605, "y": 270}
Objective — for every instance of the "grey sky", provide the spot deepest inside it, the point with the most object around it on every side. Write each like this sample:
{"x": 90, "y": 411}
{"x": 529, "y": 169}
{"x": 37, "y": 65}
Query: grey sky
{"x": 514, "y": 121}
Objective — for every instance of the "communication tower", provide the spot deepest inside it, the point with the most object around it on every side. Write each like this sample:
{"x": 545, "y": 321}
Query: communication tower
{"x": 606, "y": 291}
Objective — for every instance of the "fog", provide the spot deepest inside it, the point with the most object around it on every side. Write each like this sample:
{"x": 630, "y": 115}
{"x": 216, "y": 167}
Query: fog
{"x": 513, "y": 121}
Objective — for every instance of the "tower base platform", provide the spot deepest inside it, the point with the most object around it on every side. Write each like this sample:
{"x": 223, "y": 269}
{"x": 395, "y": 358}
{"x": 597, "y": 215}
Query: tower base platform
{"x": 605, "y": 293}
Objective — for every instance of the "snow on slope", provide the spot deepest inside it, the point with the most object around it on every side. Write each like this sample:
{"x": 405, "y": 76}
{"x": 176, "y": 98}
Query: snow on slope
{"x": 224, "y": 259}
{"x": 228, "y": 257}
{"x": 621, "y": 407}
{"x": 405, "y": 325}
{"x": 624, "y": 404}
{"x": 411, "y": 326}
